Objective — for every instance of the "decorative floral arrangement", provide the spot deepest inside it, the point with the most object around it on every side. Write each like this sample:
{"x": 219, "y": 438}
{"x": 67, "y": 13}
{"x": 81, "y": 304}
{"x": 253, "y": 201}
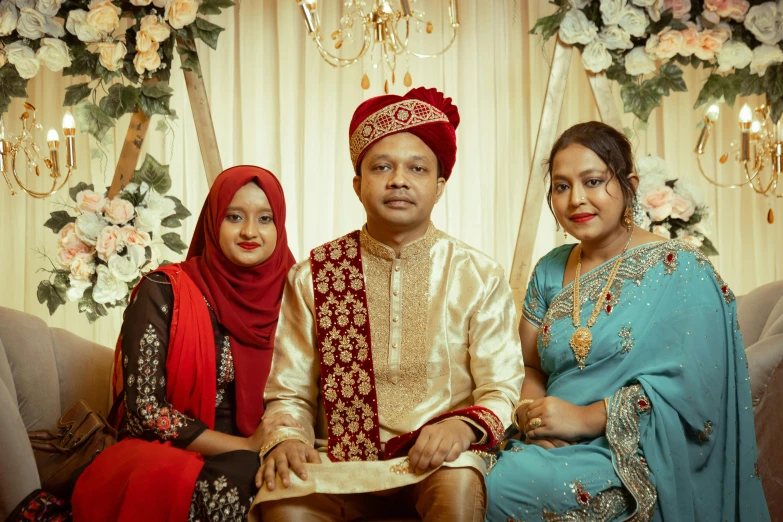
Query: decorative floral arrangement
{"x": 670, "y": 207}
{"x": 641, "y": 44}
{"x": 105, "y": 40}
{"x": 108, "y": 245}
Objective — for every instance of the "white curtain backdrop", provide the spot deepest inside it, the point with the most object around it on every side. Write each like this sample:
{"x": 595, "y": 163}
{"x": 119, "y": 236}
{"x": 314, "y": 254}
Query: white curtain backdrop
{"x": 277, "y": 104}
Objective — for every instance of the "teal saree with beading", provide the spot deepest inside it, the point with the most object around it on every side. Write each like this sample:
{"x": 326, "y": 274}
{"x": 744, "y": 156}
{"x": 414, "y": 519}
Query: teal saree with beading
{"x": 667, "y": 352}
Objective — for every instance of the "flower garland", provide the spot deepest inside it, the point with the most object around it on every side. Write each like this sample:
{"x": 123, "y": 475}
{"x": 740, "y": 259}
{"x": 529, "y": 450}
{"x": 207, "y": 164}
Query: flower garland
{"x": 108, "y": 245}
{"x": 641, "y": 43}
{"x": 670, "y": 207}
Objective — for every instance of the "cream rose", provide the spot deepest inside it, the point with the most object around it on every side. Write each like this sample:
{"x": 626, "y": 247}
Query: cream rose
{"x": 578, "y": 4}
{"x": 614, "y": 38}
{"x": 681, "y": 9}
{"x": 637, "y": 62}
{"x": 764, "y": 22}
{"x": 53, "y": 53}
{"x": 31, "y": 24}
{"x": 644, "y": 3}
{"x": 691, "y": 40}
{"x": 658, "y": 203}
{"x": 666, "y": 44}
{"x": 77, "y": 24}
{"x": 655, "y": 9}
{"x": 160, "y": 3}
{"x": 23, "y": 58}
{"x": 180, "y": 13}
{"x": 160, "y": 204}
{"x": 710, "y": 43}
{"x": 596, "y": 58}
{"x": 155, "y": 28}
{"x": 118, "y": 211}
{"x": 103, "y": 16}
{"x": 140, "y": 3}
{"x": 576, "y": 28}
{"x": 48, "y": 7}
{"x": 634, "y": 21}
{"x": 21, "y": 4}
{"x": 763, "y": 57}
{"x": 145, "y": 43}
{"x": 108, "y": 242}
{"x": 734, "y": 55}
{"x": 612, "y": 11}
{"x": 90, "y": 201}
{"x": 8, "y": 17}
{"x": 133, "y": 237}
{"x": 682, "y": 208}
{"x": 108, "y": 288}
{"x": 76, "y": 289}
{"x": 111, "y": 54}
{"x": 660, "y": 230}
{"x": 692, "y": 240}
{"x": 148, "y": 220}
{"x": 83, "y": 267}
{"x": 734, "y": 9}
{"x": 149, "y": 61}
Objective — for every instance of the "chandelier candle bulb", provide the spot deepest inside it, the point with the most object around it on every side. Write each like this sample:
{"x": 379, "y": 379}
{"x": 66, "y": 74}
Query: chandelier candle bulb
{"x": 777, "y": 164}
{"x": 745, "y": 122}
{"x": 712, "y": 113}
{"x": 454, "y": 13}
{"x": 405, "y": 5}
{"x": 309, "y": 18}
{"x": 69, "y": 129}
{"x": 53, "y": 141}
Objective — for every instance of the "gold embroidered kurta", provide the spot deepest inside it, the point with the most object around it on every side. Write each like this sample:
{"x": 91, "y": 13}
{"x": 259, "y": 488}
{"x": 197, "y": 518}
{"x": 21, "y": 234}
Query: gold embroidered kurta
{"x": 443, "y": 332}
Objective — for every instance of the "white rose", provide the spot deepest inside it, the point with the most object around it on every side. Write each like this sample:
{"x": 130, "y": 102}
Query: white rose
{"x": 647, "y": 166}
{"x": 8, "y": 17}
{"x": 596, "y": 58}
{"x": 22, "y": 4}
{"x": 660, "y": 230}
{"x": 89, "y": 227}
{"x": 77, "y": 24}
{"x": 154, "y": 261}
{"x": 611, "y": 11}
{"x": 148, "y": 220}
{"x": 76, "y": 289}
{"x": 734, "y": 55}
{"x": 579, "y": 4}
{"x": 763, "y": 57}
{"x": 654, "y": 9}
{"x": 108, "y": 288}
{"x": 634, "y": 21}
{"x": 637, "y": 62}
{"x": 576, "y": 28}
{"x": 48, "y": 7}
{"x": 614, "y": 38}
{"x": 701, "y": 228}
{"x": 160, "y": 3}
{"x": 162, "y": 205}
{"x": 180, "y": 13}
{"x": 53, "y": 53}
{"x": 31, "y": 24}
{"x": 23, "y": 58}
{"x": 111, "y": 54}
{"x": 644, "y": 3}
{"x": 124, "y": 268}
{"x": 764, "y": 21}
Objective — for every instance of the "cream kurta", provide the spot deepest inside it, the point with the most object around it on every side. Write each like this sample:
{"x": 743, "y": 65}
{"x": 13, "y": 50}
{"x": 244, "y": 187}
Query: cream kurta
{"x": 444, "y": 337}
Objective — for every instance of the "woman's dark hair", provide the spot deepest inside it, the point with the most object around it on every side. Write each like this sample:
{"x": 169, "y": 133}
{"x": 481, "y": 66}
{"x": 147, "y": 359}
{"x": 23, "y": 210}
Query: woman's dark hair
{"x": 611, "y": 146}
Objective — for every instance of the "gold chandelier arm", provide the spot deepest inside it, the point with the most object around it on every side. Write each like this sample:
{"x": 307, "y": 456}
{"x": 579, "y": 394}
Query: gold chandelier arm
{"x": 336, "y": 61}
{"x": 404, "y": 43}
{"x": 760, "y": 189}
{"x": 32, "y": 193}
{"x": 8, "y": 182}
{"x": 723, "y": 185}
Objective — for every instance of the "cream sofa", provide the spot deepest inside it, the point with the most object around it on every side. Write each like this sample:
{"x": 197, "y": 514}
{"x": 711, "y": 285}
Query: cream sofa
{"x": 45, "y": 370}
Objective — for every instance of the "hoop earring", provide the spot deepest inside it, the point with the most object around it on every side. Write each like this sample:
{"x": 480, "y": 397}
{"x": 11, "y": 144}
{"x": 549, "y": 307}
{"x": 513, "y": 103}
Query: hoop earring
{"x": 628, "y": 218}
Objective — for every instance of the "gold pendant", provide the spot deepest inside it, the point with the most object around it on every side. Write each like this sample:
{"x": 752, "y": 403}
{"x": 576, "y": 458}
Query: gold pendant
{"x": 580, "y": 344}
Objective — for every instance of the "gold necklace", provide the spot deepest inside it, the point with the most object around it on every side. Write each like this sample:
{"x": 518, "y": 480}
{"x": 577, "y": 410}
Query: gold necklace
{"x": 582, "y": 339}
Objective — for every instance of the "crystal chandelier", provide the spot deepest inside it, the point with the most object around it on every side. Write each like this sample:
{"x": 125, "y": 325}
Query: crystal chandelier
{"x": 760, "y": 152}
{"x": 25, "y": 144}
{"x": 383, "y": 25}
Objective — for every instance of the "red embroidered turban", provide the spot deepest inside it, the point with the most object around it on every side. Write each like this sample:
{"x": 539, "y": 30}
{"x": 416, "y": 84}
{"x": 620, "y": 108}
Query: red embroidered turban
{"x": 425, "y": 113}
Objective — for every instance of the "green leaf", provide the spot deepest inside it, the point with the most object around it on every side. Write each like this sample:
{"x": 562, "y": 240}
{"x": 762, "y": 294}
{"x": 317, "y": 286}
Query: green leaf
{"x": 11, "y": 86}
{"x": 162, "y": 126}
{"x": 548, "y": 26}
{"x": 752, "y": 84}
{"x": 773, "y": 80}
{"x": 708, "y": 248}
{"x": 180, "y": 210}
{"x": 155, "y": 99}
{"x": 158, "y": 91}
{"x": 640, "y": 99}
{"x": 61, "y": 281}
{"x": 76, "y": 93}
{"x": 678, "y": 26}
{"x": 153, "y": 174}
{"x": 83, "y": 62}
{"x": 174, "y": 243}
{"x": 616, "y": 72}
{"x": 58, "y": 219}
{"x": 776, "y": 109}
{"x": 48, "y": 293}
{"x": 207, "y": 31}
{"x": 210, "y": 7}
{"x": 669, "y": 79}
{"x": 171, "y": 222}
{"x": 120, "y": 100}
{"x": 90, "y": 308}
{"x": 717, "y": 87}
{"x": 93, "y": 120}
{"x": 78, "y": 188}
{"x": 189, "y": 60}
{"x": 666, "y": 19}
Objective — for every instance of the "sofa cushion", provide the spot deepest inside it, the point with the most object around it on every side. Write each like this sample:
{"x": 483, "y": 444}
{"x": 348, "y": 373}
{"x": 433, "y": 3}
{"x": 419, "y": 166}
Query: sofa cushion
{"x": 85, "y": 370}
{"x": 28, "y": 347}
{"x": 753, "y": 310}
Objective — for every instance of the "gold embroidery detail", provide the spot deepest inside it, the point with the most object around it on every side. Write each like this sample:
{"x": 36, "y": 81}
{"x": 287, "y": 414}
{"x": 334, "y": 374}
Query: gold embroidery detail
{"x": 225, "y": 373}
{"x": 216, "y": 502}
{"x": 704, "y": 434}
{"x": 279, "y": 439}
{"x": 490, "y": 459}
{"x": 393, "y": 118}
{"x": 495, "y": 426}
{"x": 402, "y": 468}
{"x": 604, "y": 506}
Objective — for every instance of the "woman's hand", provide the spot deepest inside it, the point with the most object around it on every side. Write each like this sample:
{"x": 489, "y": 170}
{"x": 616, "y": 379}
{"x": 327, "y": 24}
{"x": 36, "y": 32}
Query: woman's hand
{"x": 268, "y": 426}
{"x": 550, "y": 417}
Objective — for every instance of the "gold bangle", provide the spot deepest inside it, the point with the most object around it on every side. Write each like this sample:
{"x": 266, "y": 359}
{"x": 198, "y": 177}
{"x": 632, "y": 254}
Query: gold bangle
{"x": 514, "y": 416}
{"x": 606, "y": 406}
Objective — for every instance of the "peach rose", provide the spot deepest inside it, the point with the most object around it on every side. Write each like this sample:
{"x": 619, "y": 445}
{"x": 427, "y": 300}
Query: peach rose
{"x": 145, "y": 43}
{"x": 67, "y": 237}
{"x": 692, "y": 240}
{"x": 108, "y": 242}
{"x": 66, "y": 256}
{"x": 103, "y": 16}
{"x": 89, "y": 201}
{"x": 82, "y": 267}
{"x": 681, "y": 9}
{"x": 111, "y": 54}
{"x": 734, "y": 9}
{"x": 130, "y": 237}
{"x": 155, "y": 28}
{"x": 682, "y": 208}
{"x": 149, "y": 61}
{"x": 666, "y": 44}
{"x": 180, "y": 13}
{"x": 660, "y": 230}
{"x": 658, "y": 203}
{"x": 140, "y": 3}
{"x": 118, "y": 211}
{"x": 710, "y": 42}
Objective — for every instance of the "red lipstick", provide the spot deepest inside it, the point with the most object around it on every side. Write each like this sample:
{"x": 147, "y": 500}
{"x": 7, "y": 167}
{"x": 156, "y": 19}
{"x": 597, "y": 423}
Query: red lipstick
{"x": 249, "y": 245}
{"x": 583, "y": 217}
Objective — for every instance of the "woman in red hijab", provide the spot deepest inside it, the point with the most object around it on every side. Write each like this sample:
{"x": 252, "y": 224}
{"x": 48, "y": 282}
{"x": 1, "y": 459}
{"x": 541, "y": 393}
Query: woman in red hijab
{"x": 191, "y": 364}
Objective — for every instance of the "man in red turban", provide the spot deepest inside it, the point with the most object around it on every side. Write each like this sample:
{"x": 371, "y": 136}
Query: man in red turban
{"x": 396, "y": 347}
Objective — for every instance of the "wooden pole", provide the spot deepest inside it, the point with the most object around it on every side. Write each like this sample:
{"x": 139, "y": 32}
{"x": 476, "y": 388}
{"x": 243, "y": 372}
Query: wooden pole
{"x": 536, "y": 186}
{"x": 131, "y": 150}
{"x": 604, "y": 99}
{"x": 205, "y": 129}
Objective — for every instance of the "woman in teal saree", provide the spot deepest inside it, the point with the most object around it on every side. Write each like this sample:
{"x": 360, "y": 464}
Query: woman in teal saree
{"x": 636, "y": 402}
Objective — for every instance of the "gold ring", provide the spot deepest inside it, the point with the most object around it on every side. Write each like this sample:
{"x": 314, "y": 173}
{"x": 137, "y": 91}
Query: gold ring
{"x": 534, "y": 423}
